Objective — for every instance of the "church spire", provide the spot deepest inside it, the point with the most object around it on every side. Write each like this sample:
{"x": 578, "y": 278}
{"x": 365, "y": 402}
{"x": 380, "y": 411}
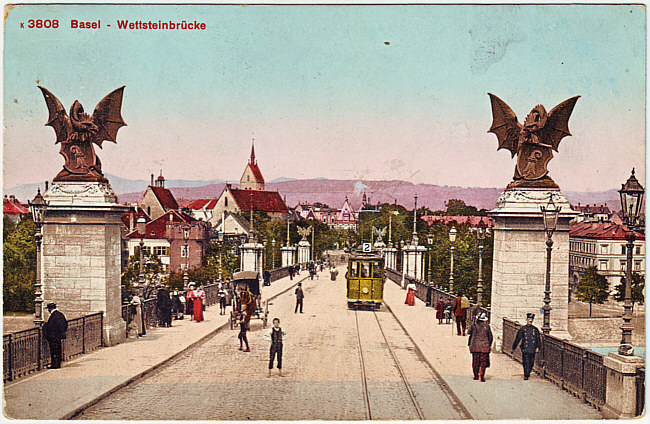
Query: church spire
{"x": 252, "y": 159}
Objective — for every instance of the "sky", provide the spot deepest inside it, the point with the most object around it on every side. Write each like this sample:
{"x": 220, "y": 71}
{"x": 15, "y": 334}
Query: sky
{"x": 344, "y": 92}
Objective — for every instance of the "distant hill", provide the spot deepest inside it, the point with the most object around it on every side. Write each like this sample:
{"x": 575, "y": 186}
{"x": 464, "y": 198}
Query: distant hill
{"x": 334, "y": 192}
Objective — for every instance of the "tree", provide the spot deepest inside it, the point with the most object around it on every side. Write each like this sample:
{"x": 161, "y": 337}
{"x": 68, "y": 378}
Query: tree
{"x": 458, "y": 207}
{"x": 637, "y": 286}
{"x": 593, "y": 288}
{"x": 19, "y": 265}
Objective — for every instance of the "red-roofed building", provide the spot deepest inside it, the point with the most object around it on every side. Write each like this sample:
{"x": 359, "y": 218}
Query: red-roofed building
{"x": 240, "y": 201}
{"x": 602, "y": 244}
{"x": 203, "y": 209}
{"x": 593, "y": 212}
{"x": 13, "y": 209}
{"x": 252, "y": 178}
{"x": 157, "y": 199}
{"x": 164, "y": 237}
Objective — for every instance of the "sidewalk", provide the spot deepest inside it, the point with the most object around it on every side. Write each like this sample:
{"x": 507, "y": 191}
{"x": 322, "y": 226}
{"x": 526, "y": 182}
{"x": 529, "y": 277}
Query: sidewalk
{"x": 60, "y": 394}
{"x": 505, "y": 395}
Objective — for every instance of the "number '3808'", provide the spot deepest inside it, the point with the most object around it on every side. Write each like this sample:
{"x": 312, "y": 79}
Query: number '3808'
{"x": 43, "y": 23}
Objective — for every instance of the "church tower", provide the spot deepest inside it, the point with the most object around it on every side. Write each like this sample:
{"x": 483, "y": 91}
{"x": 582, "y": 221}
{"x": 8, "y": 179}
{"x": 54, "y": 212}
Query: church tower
{"x": 252, "y": 178}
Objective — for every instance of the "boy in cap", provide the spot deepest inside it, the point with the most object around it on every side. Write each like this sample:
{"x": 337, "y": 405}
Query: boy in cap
{"x": 531, "y": 342}
{"x": 54, "y": 331}
{"x": 276, "y": 335}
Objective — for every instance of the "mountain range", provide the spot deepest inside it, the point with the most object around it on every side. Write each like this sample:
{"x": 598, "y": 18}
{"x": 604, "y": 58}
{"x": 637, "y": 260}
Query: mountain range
{"x": 333, "y": 192}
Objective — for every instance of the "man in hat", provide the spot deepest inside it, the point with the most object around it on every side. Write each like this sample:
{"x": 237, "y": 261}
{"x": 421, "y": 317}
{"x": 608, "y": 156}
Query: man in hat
{"x": 54, "y": 331}
{"x": 480, "y": 343}
{"x": 531, "y": 342}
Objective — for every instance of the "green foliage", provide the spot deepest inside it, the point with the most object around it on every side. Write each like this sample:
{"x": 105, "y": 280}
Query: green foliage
{"x": 153, "y": 272}
{"x": 19, "y": 265}
{"x": 593, "y": 288}
{"x": 637, "y": 286}
{"x": 458, "y": 207}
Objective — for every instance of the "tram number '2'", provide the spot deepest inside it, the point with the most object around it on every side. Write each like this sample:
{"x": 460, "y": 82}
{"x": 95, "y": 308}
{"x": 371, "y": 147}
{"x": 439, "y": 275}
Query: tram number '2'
{"x": 366, "y": 248}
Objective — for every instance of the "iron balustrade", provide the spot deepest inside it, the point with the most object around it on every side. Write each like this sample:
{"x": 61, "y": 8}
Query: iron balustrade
{"x": 575, "y": 369}
{"x": 430, "y": 295}
{"x": 27, "y": 351}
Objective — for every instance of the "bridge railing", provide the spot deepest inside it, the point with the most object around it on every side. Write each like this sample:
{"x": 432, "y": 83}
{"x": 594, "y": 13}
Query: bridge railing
{"x": 26, "y": 351}
{"x": 430, "y": 294}
{"x": 577, "y": 370}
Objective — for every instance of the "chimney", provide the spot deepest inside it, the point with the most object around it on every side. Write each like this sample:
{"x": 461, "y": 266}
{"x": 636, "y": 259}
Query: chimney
{"x": 47, "y": 184}
{"x": 151, "y": 180}
{"x": 131, "y": 221}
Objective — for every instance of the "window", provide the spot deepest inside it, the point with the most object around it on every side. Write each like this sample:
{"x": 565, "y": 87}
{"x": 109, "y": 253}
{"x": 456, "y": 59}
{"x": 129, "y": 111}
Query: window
{"x": 354, "y": 269}
{"x": 183, "y": 267}
{"x": 161, "y": 250}
{"x": 602, "y": 266}
{"x": 376, "y": 270}
{"x": 185, "y": 251}
{"x": 623, "y": 263}
{"x": 225, "y": 202}
{"x": 365, "y": 269}
{"x": 637, "y": 265}
{"x": 623, "y": 250}
{"x": 603, "y": 248}
{"x": 149, "y": 210}
{"x": 638, "y": 250}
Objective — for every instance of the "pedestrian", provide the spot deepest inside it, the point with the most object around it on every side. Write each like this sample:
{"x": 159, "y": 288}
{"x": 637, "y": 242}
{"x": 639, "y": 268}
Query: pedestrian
{"x": 54, "y": 332}
{"x": 300, "y": 295}
{"x": 480, "y": 343}
{"x": 222, "y": 300}
{"x": 410, "y": 294}
{"x": 189, "y": 300}
{"x": 291, "y": 271}
{"x": 440, "y": 311}
{"x": 164, "y": 308}
{"x": 199, "y": 299}
{"x": 459, "y": 309}
{"x": 178, "y": 307}
{"x": 276, "y": 336}
{"x": 531, "y": 342}
{"x": 266, "y": 276}
{"x": 243, "y": 328}
{"x": 312, "y": 270}
{"x": 136, "y": 309}
{"x": 333, "y": 273}
{"x": 248, "y": 302}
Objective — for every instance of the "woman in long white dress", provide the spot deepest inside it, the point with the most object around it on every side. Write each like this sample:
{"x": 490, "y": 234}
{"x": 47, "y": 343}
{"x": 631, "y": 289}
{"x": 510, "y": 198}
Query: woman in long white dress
{"x": 136, "y": 322}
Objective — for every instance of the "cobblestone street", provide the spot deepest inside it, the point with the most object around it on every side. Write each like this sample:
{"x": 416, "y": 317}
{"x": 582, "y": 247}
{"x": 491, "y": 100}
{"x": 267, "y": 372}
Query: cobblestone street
{"x": 322, "y": 371}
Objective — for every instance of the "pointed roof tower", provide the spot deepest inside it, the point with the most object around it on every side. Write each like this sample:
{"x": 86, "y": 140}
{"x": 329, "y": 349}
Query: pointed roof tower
{"x": 252, "y": 160}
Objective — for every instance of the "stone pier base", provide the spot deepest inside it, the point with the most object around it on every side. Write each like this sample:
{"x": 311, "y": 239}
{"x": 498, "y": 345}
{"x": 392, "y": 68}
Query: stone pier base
{"x": 620, "y": 396}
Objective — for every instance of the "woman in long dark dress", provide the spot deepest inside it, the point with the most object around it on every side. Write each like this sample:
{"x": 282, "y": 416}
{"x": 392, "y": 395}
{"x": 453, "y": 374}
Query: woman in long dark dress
{"x": 164, "y": 306}
{"x": 440, "y": 311}
{"x": 480, "y": 343}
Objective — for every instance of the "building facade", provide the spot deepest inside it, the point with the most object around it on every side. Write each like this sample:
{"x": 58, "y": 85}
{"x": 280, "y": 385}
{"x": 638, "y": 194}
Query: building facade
{"x": 602, "y": 244}
{"x": 157, "y": 199}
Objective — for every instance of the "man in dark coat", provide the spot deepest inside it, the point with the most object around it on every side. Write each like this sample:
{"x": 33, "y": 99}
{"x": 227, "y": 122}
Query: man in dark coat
{"x": 54, "y": 332}
{"x": 531, "y": 342}
{"x": 299, "y": 296}
{"x": 164, "y": 307}
{"x": 480, "y": 343}
{"x": 291, "y": 272}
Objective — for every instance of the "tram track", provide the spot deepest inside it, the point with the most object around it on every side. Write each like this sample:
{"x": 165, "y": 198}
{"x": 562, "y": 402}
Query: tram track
{"x": 452, "y": 399}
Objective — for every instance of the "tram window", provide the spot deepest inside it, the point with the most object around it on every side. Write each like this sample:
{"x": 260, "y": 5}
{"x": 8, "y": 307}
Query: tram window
{"x": 376, "y": 270}
{"x": 365, "y": 269}
{"x": 353, "y": 269}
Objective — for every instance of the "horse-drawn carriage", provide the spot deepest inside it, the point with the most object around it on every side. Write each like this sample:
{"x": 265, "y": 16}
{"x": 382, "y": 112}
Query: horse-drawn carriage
{"x": 249, "y": 301}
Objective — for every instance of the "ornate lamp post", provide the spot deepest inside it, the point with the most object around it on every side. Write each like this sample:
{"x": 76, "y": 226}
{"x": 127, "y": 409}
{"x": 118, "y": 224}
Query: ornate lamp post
{"x": 401, "y": 245}
{"x": 390, "y": 227}
{"x": 452, "y": 239}
{"x": 550, "y": 214}
{"x": 186, "y": 236}
{"x": 273, "y": 253}
{"x": 631, "y": 198}
{"x": 141, "y": 225}
{"x": 429, "y": 243}
{"x": 220, "y": 243}
{"x": 480, "y": 232}
{"x": 38, "y": 207}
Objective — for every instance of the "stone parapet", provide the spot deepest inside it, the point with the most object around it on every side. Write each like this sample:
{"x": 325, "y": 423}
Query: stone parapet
{"x": 620, "y": 394}
{"x": 519, "y": 259}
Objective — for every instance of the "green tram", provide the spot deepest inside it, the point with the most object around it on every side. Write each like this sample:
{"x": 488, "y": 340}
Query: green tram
{"x": 365, "y": 280}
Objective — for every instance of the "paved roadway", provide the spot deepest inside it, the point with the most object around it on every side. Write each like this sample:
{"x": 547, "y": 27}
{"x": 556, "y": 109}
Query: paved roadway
{"x": 338, "y": 365}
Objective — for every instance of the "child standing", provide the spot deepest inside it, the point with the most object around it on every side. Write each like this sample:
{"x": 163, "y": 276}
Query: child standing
{"x": 276, "y": 335}
{"x": 243, "y": 328}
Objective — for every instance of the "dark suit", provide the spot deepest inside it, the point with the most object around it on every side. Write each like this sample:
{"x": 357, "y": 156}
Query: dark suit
{"x": 530, "y": 340}
{"x": 54, "y": 332}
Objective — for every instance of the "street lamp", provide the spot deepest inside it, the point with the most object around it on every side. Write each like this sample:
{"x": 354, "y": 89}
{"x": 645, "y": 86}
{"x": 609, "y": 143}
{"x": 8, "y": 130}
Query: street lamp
{"x": 452, "y": 239}
{"x": 480, "y": 232}
{"x": 273, "y": 253}
{"x": 141, "y": 224}
{"x": 390, "y": 227}
{"x": 550, "y": 214}
{"x": 220, "y": 243}
{"x": 429, "y": 242}
{"x": 186, "y": 236}
{"x": 631, "y": 198}
{"x": 38, "y": 207}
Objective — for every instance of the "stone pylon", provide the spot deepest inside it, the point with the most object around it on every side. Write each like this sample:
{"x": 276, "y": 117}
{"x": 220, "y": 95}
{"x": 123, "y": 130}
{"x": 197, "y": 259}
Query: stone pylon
{"x": 82, "y": 253}
{"x": 390, "y": 257}
{"x": 412, "y": 261}
{"x": 519, "y": 260}
{"x": 304, "y": 252}
{"x": 288, "y": 255}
